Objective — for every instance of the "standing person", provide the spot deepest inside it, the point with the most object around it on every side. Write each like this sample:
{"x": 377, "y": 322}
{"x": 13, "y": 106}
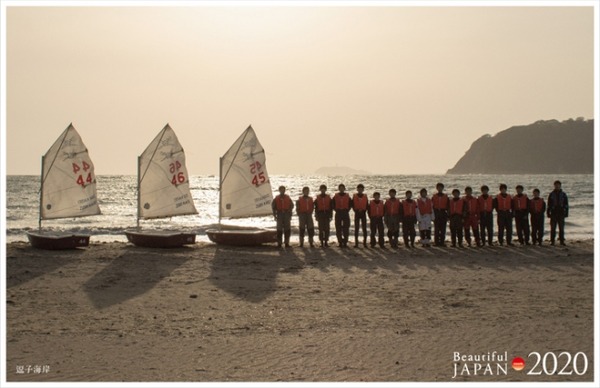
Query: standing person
{"x": 458, "y": 212}
{"x": 323, "y": 215}
{"x": 376, "y": 211}
{"x": 425, "y": 217}
{"x": 521, "y": 209}
{"x": 472, "y": 218}
{"x": 537, "y": 208}
{"x": 392, "y": 218}
{"x": 282, "y": 207}
{"x": 440, "y": 211}
{"x": 359, "y": 204}
{"x": 409, "y": 219}
{"x": 305, "y": 205}
{"x": 558, "y": 210}
{"x": 504, "y": 214}
{"x": 341, "y": 205}
{"x": 485, "y": 204}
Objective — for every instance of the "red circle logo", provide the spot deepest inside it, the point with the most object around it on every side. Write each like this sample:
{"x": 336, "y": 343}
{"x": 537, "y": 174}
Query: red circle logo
{"x": 518, "y": 363}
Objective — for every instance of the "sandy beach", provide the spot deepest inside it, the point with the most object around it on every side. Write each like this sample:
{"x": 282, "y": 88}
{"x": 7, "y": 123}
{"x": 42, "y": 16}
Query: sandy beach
{"x": 115, "y": 312}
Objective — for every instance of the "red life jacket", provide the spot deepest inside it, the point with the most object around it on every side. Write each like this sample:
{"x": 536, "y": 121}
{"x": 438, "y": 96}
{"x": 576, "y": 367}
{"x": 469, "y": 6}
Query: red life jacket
{"x": 472, "y": 205}
{"x": 342, "y": 202}
{"x": 360, "y": 203}
{"x": 305, "y": 204}
{"x": 536, "y": 205}
{"x": 504, "y": 203}
{"x": 486, "y": 205}
{"x": 520, "y": 203}
{"x": 409, "y": 208}
{"x": 456, "y": 206}
{"x": 392, "y": 207}
{"x": 376, "y": 209}
{"x": 283, "y": 203}
{"x": 440, "y": 201}
{"x": 323, "y": 202}
{"x": 425, "y": 206}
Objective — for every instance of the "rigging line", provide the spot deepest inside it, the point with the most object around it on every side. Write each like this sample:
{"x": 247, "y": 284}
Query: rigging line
{"x": 162, "y": 134}
{"x": 236, "y": 154}
{"x": 56, "y": 155}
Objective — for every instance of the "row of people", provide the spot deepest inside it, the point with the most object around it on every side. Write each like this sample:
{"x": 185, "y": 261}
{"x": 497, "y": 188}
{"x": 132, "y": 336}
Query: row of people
{"x": 465, "y": 214}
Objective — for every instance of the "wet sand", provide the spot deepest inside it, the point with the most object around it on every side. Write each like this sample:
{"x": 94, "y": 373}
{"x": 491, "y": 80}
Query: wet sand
{"x": 115, "y": 312}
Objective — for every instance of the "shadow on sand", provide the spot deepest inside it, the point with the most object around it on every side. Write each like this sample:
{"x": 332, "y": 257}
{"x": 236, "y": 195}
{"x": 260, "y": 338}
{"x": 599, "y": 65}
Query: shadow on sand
{"x": 251, "y": 273}
{"x": 133, "y": 273}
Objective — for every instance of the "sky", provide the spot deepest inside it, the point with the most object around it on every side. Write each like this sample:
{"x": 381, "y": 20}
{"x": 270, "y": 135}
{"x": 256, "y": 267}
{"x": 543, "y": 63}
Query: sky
{"x": 389, "y": 90}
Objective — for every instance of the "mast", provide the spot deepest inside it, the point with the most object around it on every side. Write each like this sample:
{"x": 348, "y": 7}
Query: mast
{"x": 220, "y": 192}
{"x": 41, "y": 194}
{"x": 138, "y": 192}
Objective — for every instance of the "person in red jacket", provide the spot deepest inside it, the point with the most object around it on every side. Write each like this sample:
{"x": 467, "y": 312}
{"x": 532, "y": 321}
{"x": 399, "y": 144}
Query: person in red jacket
{"x": 341, "y": 205}
{"x": 504, "y": 213}
{"x": 323, "y": 215}
{"x": 457, "y": 211}
{"x": 305, "y": 206}
{"x": 282, "y": 206}
{"x": 359, "y": 204}
{"x": 537, "y": 208}
{"x": 409, "y": 219}
{"x": 472, "y": 219}
{"x": 392, "y": 218}
{"x": 521, "y": 211}
{"x": 376, "y": 211}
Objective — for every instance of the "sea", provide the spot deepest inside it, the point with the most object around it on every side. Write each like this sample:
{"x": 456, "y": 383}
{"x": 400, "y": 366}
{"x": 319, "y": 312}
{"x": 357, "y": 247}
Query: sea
{"x": 117, "y": 199}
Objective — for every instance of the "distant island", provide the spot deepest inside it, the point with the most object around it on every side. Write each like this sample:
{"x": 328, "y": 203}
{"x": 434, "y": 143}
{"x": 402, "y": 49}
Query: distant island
{"x": 544, "y": 147}
{"x": 340, "y": 171}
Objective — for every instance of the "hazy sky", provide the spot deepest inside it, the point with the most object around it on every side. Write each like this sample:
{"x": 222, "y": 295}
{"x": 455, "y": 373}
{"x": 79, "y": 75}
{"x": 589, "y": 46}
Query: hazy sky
{"x": 390, "y": 90}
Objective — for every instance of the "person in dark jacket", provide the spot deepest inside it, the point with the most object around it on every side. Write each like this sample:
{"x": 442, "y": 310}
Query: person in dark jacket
{"x": 504, "y": 213}
{"x": 537, "y": 209}
{"x": 557, "y": 211}
{"x": 440, "y": 211}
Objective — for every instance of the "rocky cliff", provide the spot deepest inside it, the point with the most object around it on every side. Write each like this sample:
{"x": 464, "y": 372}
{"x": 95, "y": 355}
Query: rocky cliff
{"x": 544, "y": 147}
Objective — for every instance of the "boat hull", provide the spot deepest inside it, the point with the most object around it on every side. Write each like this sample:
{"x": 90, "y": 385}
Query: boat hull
{"x": 58, "y": 241}
{"x": 155, "y": 239}
{"x": 242, "y": 237}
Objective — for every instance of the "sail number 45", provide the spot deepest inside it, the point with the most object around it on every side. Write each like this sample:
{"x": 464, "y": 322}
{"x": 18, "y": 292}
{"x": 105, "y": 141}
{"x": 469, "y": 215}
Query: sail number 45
{"x": 85, "y": 167}
{"x": 258, "y": 175}
{"x": 178, "y": 176}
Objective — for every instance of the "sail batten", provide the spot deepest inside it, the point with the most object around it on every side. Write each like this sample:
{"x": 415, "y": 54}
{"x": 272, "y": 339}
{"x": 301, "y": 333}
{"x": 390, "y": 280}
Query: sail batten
{"x": 245, "y": 187}
{"x": 163, "y": 180}
{"x": 68, "y": 181}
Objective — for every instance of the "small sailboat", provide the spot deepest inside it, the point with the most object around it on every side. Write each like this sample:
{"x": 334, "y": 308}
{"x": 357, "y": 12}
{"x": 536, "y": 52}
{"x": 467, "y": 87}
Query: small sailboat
{"x": 244, "y": 191}
{"x": 67, "y": 190}
{"x": 163, "y": 191}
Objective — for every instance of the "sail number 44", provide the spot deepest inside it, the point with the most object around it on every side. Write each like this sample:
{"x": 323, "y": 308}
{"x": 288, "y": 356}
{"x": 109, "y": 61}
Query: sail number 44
{"x": 258, "y": 175}
{"x": 178, "y": 176}
{"x": 85, "y": 167}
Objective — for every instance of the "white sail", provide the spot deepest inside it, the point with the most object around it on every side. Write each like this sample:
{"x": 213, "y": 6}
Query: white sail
{"x": 164, "y": 186}
{"x": 245, "y": 189}
{"x": 68, "y": 179}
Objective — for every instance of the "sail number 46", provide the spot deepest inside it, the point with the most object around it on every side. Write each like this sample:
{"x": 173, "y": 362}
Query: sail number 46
{"x": 258, "y": 176}
{"x": 178, "y": 177}
{"x": 85, "y": 167}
